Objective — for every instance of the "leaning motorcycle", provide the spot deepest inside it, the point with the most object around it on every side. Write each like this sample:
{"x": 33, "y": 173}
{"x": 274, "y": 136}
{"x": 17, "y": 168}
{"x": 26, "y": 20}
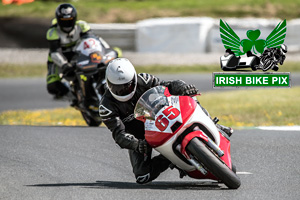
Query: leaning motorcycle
{"x": 178, "y": 128}
{"x": 87, "y": 80}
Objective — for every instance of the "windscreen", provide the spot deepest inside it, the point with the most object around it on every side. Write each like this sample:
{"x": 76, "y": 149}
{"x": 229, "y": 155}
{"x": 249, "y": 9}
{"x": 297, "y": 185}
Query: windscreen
{"x": 150, "y": 103}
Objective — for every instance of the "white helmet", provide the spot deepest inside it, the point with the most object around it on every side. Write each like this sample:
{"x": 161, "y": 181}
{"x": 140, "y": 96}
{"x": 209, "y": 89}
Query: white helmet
{"x": 283, "y": 49}
{"x": 121, "y": 79}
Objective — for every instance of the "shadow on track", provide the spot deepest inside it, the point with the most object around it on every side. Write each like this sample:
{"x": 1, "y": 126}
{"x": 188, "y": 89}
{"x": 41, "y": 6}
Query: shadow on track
{"x": 131, "y": 185}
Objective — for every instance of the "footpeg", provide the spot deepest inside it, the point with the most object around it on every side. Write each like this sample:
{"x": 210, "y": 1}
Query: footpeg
{"x": 215, "y": 120}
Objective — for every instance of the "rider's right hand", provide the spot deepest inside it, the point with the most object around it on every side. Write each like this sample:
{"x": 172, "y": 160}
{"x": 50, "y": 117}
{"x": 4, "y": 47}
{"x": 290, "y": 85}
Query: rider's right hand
{"x": 67, "y": 68}
{"x": 143, "y": 147}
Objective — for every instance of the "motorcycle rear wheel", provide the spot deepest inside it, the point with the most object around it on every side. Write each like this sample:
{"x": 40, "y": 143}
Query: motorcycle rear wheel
{"x": 205, "y": 156}
{"x": 89, "y": 120}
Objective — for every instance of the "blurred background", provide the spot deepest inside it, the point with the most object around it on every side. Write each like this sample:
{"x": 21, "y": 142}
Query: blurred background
{"x": 157, "y": 34}
{"x": 172, "y": 26}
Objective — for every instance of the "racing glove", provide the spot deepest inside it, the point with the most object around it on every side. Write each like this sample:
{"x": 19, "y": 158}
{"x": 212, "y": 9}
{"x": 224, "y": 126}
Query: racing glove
{"x": 190, "y": 90}
{"x": 68, "y": 70}
{"x": 179, "y": 87}
{"x": 143, "y": 147}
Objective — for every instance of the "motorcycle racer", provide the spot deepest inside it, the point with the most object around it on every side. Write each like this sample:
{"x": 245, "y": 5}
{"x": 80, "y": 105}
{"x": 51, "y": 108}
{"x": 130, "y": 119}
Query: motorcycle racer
{"x": 124, "y": 88}
{"x": 62, "y": 36}
{"x": 271, "y": 57}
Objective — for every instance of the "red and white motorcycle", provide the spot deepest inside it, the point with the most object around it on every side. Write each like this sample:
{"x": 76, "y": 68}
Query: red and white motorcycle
{"x": 177, "y": 127}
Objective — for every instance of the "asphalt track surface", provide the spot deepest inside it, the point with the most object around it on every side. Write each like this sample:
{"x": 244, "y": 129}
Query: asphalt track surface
{"x": 31, "y": 93}
{"x": 84, "y": 162}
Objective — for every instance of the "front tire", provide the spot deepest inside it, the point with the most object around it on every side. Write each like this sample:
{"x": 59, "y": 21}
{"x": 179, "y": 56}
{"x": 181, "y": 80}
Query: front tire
{"x": 213, "y": 164}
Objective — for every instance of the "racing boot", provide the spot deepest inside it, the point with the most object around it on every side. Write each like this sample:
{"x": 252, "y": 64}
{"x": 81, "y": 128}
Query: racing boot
{"x": 74, "y": 103}
{"x": 254, "y": 67}
{"x": 181, "y": 172}
{"x": 227, "y": 130}
{"x": 275, "y": 68}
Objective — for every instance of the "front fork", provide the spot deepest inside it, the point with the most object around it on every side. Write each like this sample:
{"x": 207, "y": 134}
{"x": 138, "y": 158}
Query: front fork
{"x": 97, "y": 87}
{"x": 193, "y": 161}
{"x": 87, "y": 82}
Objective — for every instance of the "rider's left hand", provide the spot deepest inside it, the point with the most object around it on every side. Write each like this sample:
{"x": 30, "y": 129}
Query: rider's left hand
{"x": 143, "y": 147}
{"x": 179, "y": 87}
{"x": 190, "y": 90}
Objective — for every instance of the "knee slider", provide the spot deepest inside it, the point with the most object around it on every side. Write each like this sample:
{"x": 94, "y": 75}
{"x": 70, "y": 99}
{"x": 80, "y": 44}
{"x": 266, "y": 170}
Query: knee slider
{"x": 143, "y": 179}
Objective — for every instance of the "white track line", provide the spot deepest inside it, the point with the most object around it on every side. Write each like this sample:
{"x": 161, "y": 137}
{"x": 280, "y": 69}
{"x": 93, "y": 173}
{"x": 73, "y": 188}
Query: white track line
{"x": 280, "y": 128}
{"x": 244, "y": 173}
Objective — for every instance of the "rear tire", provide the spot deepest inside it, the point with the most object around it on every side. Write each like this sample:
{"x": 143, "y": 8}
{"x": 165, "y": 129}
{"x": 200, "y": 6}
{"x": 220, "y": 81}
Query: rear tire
{"x": 199, "y": 150}
{"x": 89, "y": 120}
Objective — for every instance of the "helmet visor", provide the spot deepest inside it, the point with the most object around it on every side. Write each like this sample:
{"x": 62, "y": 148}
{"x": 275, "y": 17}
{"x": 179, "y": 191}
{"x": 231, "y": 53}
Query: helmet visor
{"x": 66, "y": 24}
{"x": 122, "y": 89}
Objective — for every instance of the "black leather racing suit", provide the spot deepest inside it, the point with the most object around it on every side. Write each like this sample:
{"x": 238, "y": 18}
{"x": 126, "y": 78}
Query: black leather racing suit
{"x": 270, "y": 59}
{"x": 126, "y": 130}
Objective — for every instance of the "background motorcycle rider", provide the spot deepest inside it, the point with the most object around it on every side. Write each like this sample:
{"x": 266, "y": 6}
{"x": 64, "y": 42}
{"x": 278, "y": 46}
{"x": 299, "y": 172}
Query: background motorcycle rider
{"x": 62, "y": 36}
{"x": 116, "y": 110}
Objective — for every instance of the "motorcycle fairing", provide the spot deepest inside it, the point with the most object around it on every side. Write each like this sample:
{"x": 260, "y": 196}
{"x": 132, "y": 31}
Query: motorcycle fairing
{"x": 109, "y": 56}
{"x": 89, "y": 46}
{"x": 225, "y": 146}
{"x": 83, "y": 62}
{"x": 159, "y": 131}
{"x": 87, "y": 64}
{"x": 196, "y": 116}
{"x": 172, "y": 143}
{"x": 231, "y": 62}
{"x": 91, "y": 54}
{"x": 199, "y": 117}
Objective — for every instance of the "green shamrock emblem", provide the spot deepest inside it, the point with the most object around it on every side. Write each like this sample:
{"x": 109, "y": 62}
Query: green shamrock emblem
{"x": 232, "y": 41}
{"x": 253, "y": 41}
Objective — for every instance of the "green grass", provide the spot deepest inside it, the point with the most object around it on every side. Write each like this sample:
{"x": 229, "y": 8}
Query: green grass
{"x": 259, "y": 107}
{"x": 112, "y": 11}
{"x": 15, "y": 71}
{"x": 51, "y": 117}
{"x": 234, "y": 108}
{"x": 240, "y": 108}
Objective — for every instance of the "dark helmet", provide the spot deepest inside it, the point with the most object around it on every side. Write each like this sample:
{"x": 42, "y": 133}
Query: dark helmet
{"x": 66, "y": 16}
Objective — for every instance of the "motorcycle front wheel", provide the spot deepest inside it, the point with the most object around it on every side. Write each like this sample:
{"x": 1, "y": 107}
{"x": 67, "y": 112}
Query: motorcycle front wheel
{"x": 213, "y": 164}
{"x": 90, "y": 121}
